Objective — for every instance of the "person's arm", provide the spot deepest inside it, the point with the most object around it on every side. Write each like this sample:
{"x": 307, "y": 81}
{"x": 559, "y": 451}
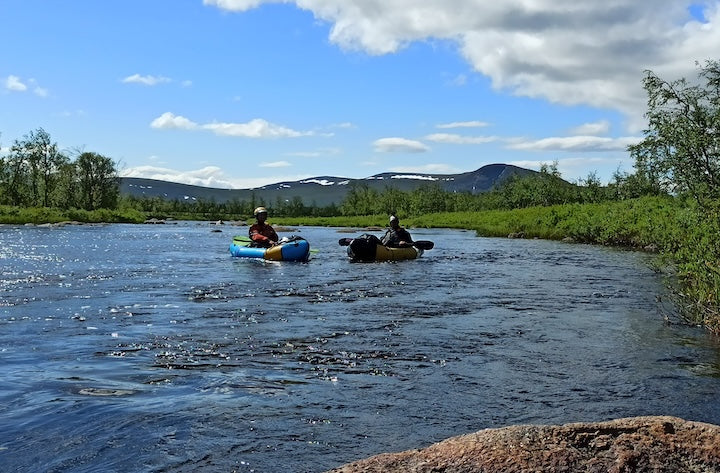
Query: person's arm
{"x": 257, "y": 236}
{"x": 404, "y": 238}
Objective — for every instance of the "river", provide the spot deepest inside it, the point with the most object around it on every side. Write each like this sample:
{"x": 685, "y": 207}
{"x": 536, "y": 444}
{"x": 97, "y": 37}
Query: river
{"x": 148, "y": 348}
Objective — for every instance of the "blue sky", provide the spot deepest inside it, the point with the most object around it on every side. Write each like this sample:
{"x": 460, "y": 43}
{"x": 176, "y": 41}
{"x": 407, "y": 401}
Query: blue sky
{"x": 243, "y": 93}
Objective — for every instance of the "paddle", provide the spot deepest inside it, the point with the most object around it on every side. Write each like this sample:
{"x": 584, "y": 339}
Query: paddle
{"x": 240, "y": 240}
{"x": 421, "y": 244}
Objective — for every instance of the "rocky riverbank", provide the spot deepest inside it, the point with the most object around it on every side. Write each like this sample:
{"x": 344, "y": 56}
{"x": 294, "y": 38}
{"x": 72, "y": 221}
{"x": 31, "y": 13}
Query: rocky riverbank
{"x": 638, "y": 445}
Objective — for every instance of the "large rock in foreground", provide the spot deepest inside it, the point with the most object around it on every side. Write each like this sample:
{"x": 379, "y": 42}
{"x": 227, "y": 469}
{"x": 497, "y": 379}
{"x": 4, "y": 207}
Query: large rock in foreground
{"x": 638, "y": 444}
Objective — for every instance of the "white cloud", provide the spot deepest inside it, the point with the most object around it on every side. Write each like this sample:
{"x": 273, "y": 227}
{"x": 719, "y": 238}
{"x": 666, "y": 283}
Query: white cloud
{"x": 470, "y": 124}
{"x": 399, "y": 145}
{"x": 73, "y": 113}
{"x": 576, "y": 143}
{"x": 426, "y": 169}
{"x": 323, "y": 152}
{"x": 210, "y": 176}
{"x": 305, "y": 154}
{"x": 257, "y": 128}
{"x": 238, "y": 5}
{"x": 459, "y": 139}
{"x": 601, "y": 127}
{"x": 275, "y": 164}
{"x": 573, "y": 52}
{"x": 169, "y": 121}
{"x": 14, "y": 84}
{"x": 146, "y": 80}
{"x": 459, "y": 80}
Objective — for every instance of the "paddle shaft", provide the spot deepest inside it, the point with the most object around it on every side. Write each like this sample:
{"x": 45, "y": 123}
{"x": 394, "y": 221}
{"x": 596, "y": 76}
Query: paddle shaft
{"x": 421, "y": 244}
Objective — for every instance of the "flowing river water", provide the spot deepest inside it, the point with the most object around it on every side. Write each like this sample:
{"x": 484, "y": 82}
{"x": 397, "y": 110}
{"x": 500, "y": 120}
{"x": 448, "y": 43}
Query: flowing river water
{"x": 148, "y": 348}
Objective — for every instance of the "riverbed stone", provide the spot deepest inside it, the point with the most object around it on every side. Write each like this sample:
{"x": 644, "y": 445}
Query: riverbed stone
{"x": 637, "y": 444}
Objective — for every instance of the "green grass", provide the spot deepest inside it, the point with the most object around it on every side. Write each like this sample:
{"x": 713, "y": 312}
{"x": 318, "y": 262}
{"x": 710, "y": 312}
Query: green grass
{"x": 40, "y": 215}
{"x": 636, "y": 223}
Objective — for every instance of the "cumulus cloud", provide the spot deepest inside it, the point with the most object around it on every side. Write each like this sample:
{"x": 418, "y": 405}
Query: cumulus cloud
{"x": 209, "y": 176}
{"x": 459, "y": 80}
{"x": 573, "y": 52}
{"x": 426, "y": 169}
{"x": 169, "y": 121}
{"x": 576, "y": 143}
{"x": 470, "y": 124}
{"x": 399, "y": 145}
{"x": 238, "y": 5}
{"x": 275, "y": 164}
{"x": 146, "y": 80}
{"x": 72, "y": 113}
{"x": 345, "y": 125}
{"x": 257, "y": 128}
{"x": 322, "y": 152}
{"x": 596, "y": 128}
{"x": 459, "y": 139}
{"x": 14, "y": 84}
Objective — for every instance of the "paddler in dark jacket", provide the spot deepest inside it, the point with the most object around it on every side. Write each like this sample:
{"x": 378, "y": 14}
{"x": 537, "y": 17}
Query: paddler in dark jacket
{"x": 262, "y": 234}
{"x": 396, "y": 236}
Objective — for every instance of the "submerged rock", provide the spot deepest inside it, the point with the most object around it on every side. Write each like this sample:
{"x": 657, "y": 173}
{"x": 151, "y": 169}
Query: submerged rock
{"x": 637, "y": 444}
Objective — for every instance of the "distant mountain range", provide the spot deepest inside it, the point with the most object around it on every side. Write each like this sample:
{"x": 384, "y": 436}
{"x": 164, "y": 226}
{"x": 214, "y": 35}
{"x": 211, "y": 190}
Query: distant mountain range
{"x": 325, "y": 190}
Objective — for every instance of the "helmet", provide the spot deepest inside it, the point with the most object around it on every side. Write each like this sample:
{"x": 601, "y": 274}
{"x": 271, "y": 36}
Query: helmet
{"x": 260, "y": 210}
{"x": 393, "y": 218}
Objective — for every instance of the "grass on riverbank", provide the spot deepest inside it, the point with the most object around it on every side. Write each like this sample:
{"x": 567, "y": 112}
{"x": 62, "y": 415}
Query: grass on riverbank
{"x": 24, "y": 215}
{"x": 635, "y": 223}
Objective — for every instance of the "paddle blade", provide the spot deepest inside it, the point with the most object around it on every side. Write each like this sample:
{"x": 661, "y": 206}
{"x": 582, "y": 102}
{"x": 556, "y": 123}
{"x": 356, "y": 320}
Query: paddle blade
{"x": 344, "y": 241}
{"x": 240, "y": 240}
{"x": 424, "y": 244}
